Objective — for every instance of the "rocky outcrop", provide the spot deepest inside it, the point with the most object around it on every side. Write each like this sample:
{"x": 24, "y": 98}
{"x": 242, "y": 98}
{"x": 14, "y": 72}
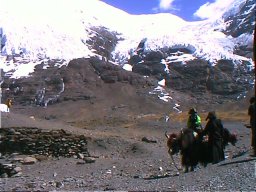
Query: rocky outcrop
{"x": 42, "y": 88}
{"x": 184, "y": 72}
{"x": 224, "y": 79}
{"x": 242, "y": 20}
{"x": 241, "y": 24}
{"x": 110, "y": 73}
{"x": 189, "y": 78}
{"x": 102, "y": 41}
{"x": 9, "y": 170}
{"x": 79, "y": 80}
{"x": 2, "y": 39}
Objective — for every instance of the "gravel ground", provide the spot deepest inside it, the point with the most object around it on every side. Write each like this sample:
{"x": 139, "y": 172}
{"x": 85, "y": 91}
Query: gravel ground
{"x": 125, "y": 162}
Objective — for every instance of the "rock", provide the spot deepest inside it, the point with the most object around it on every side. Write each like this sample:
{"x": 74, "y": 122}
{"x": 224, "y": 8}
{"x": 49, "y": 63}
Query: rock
{"x": 41, "y": 157}
{"x": 9, "y": 170}
{"x": 154, "y": 56}
{"x": 59, "y": 184}
{"x": 241, "y": 23}
{"x": 7, "y": 165}
{"x": 80, "y": 155}
{"x": 109, "y": 189}
{"x": 29, "y": 160}
{"x": 80, "y": 162}
{"x": 147, "y": 140}
{"x": 19, "y": 174}
{"x": 12, "y": 131}
{"x": 102, "y": 41}
{"x": 17, "y": 159}
{"x": 17, "y": 169}
{"x": 142, "y": 69}
{"x": 4, "y": 175}
{"x": 135, "y": 59}
{"x": 89, "y": 160}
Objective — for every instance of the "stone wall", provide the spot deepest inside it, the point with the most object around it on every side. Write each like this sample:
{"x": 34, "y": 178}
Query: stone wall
{"x": 31, "y": 141}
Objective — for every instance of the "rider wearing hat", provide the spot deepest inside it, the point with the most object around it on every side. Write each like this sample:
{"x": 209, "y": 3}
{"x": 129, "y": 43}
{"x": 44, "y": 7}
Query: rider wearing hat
{"x": 214, "y": 129}
{"x": 194, "y": 120}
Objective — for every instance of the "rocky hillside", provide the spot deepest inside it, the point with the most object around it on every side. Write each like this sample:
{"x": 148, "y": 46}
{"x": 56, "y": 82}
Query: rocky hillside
{"x": 240, "y": 21}
{"x": 76, "y": 81}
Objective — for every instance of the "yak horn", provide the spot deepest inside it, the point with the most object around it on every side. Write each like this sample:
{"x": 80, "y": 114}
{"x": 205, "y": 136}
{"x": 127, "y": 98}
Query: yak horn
{"x": 166, "y": 135}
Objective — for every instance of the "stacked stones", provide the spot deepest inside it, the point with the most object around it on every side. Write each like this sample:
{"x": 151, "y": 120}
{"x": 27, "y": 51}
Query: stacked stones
{"x": 9, "y": 170}
{"x": 31, "y": 141}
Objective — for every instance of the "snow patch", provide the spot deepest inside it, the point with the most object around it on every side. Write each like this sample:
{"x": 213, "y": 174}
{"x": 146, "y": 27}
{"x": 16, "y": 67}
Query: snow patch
{"x": 162, "y": 82}
{"x": 161, "y": 94}
{"x": 23, "y": 70}
{"x": 4, "y": 108}
{"x": 127, "y": 67}
{"x": 176, "y": 107}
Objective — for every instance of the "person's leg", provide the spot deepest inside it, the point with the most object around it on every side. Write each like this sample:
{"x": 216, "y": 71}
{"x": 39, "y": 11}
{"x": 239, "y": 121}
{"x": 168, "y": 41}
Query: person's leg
{"x": 254, "y": 142}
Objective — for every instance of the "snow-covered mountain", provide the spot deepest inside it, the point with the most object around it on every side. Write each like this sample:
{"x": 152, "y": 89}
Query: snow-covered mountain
{"x": 36, "y": 32}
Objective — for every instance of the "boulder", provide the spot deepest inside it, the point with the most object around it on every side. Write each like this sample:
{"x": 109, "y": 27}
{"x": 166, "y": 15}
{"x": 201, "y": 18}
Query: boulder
{"x": 154, "y": 56}
{"x": 89, "y": 160}
{"x": 142, "y": 69}
{"x": 135, "y": 59}
{"x": 29, "y": 160}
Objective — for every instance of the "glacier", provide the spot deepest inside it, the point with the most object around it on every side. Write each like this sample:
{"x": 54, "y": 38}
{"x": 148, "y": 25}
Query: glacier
{"x": 36, "y": 31}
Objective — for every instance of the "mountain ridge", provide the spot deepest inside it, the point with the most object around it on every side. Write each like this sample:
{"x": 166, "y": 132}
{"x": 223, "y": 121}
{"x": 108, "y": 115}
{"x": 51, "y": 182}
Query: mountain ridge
{"x": 201, "y": 50}
{"x": 63, "y": 41}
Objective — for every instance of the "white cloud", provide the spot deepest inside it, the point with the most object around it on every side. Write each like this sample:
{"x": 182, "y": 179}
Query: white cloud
{"x": 212, "y": 10}
{"x": 164, "y": 5}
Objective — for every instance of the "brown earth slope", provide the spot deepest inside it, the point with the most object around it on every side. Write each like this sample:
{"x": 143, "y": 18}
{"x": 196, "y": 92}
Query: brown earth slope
{"x": 124, "y": 128}
{"x": 123, "y": 159}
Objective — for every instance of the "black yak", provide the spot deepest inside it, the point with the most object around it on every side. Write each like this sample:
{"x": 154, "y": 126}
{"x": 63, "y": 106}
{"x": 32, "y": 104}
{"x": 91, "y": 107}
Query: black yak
{"x": 193, "y": 148}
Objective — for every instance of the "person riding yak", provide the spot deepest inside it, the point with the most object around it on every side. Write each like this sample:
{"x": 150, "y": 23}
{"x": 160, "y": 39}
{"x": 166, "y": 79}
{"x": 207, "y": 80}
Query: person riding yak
{"x": 196, "y": 148}
{"x": 194, "y": 120}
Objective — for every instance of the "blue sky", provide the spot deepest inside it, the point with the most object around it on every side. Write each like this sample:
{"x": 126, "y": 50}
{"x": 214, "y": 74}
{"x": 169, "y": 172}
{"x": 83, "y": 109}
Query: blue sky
{"x": 189, "y": 10}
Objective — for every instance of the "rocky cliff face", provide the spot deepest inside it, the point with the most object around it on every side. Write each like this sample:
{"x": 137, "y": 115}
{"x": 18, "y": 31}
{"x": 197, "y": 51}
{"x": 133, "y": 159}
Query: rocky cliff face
{"x": 95, "y": 81}
{"x": 240, "y": 21}
{"x": 194, "y": 75}
{"x": 81, "y": 79}
{"x": 184, "y": 71}
{"x": 239, "y": 24}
